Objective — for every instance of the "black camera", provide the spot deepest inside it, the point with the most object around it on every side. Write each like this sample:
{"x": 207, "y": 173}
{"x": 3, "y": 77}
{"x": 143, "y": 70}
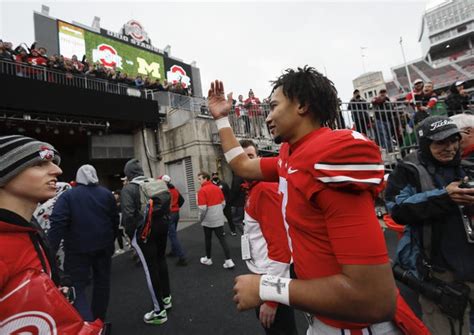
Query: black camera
{"x": 468, "y": 183}
{"x": 452, "y": 298}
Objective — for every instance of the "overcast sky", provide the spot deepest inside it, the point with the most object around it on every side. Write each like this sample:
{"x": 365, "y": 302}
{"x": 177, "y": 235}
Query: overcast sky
{"x": 246, "y": 44}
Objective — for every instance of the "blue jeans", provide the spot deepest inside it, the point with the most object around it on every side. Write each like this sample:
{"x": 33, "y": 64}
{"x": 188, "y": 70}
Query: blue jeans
{"x": 79, "y": 267}
{"x": 383, "y": 135}
{"x": 173, "y": 236}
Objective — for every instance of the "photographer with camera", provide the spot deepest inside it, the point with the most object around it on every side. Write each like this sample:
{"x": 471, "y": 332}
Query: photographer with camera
{"x": 426, "y": 192}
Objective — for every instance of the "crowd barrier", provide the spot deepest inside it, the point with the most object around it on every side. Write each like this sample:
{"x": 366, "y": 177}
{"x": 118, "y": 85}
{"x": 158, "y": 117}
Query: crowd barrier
{"x": 42, "y": 73}
{"x": 390, "y": 125}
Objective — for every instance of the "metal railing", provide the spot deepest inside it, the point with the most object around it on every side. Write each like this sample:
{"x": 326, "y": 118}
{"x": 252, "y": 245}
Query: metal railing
{"x": 391, "y": 125}
{"x": 84, "y": 81}
{"x": 180, "y": 102}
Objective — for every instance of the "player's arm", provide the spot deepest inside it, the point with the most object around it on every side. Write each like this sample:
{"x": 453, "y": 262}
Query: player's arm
{"x": 364, "y": 291}
{"x": 361, "y": 293}
{"x": 220, "y": 108}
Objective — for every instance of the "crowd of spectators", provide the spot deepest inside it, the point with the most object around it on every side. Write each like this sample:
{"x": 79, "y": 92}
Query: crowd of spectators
{"x": 74, "y": 67}
{"x": 393, "y": 122}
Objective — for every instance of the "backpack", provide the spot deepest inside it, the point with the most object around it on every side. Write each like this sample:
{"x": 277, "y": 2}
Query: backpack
{"x": 155, "y": 201}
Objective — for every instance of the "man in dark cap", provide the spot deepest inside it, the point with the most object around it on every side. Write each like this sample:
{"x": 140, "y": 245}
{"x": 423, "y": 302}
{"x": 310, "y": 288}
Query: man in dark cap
{"x": 424, "y": 192}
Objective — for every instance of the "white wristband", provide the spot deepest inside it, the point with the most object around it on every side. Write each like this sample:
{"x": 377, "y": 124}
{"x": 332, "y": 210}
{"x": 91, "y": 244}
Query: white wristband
{"x": 232, "y": 153}
{"x": 273, "y": 288}
{"x": 223, "y": 122}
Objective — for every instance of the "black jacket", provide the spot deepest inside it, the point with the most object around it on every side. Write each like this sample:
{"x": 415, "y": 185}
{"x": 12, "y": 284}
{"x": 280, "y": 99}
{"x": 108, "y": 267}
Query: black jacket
{"x": 130, "y": 198}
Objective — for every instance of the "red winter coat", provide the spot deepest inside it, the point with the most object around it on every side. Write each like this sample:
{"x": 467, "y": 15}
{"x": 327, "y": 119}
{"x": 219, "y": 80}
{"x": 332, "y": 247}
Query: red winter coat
{"x": 29, "y": 299}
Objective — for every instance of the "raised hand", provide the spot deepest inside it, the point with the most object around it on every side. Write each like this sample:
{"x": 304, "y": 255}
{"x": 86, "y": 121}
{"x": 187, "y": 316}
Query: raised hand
{"x": 218, "y": 105}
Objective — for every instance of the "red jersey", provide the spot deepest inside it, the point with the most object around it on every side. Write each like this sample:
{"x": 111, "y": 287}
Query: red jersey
{"x": 253, "y": 106}
{"x": 268, "y": 239}
{"x": 174, "y": 200}
{"x": 266, "y": 230}
{"x": 37, "y": 61}
{"x": 321, "y": 177}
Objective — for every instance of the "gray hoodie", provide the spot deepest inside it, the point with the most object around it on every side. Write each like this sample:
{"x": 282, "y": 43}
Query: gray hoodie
{"x": 87, "y": 175}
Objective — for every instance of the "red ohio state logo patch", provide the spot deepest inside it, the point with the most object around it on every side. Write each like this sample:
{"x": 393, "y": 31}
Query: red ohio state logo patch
{"x": 46, "y": 153}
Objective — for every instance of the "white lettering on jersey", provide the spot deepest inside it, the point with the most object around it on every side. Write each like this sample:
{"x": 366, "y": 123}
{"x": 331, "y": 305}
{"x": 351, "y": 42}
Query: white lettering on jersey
{"x": 283, "y": 189}
{"x": 349, "y": 167}
{"x": 358, "y": 136}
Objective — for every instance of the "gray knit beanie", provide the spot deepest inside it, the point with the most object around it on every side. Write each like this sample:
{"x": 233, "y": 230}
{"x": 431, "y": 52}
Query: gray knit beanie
{"x": 19, "y": 152}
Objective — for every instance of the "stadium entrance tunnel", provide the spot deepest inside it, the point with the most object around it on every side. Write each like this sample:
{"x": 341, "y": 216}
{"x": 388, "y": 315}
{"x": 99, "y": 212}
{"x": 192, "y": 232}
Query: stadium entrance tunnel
{"x": 75, "y": 148}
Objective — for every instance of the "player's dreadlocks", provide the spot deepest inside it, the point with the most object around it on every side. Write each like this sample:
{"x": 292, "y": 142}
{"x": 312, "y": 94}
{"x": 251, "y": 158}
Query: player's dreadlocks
{"x": 310, "y": 88}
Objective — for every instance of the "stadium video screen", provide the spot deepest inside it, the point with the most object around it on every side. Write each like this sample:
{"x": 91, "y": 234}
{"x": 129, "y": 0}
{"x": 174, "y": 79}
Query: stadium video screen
{"x": 134, "y": 61}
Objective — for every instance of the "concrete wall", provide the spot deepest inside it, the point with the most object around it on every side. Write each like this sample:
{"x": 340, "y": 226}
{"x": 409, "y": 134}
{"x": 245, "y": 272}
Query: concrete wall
{"x": 145, "y": 151}
{"x": 191, "y": 140}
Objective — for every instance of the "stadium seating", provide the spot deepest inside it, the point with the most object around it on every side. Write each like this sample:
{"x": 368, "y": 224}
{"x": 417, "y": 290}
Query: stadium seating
{"x": 467, "y": 65}
{"x": 441, "y": 76}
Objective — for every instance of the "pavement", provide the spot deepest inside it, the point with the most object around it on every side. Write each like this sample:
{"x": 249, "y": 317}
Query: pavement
{"x": 202, "y": 295}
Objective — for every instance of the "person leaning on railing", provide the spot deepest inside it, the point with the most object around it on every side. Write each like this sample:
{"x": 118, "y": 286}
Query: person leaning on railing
{"x": 384, "y": 120}
{"x": 429, "y": 98}
{"x": 458, "y": 99}
{"x": 4, "y": 53}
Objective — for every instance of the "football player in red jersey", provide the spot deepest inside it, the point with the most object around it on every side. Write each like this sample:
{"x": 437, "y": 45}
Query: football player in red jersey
{"x": 327, "y": 181}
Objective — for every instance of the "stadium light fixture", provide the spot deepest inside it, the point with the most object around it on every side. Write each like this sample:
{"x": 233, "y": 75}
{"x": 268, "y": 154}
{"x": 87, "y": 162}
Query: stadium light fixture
{"x": 406, "y": 65}
{"x": 447, "y": 46}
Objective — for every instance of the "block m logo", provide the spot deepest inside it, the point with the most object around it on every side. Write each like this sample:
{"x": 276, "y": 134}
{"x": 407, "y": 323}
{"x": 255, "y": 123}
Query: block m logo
{"x": 152, "y": 69}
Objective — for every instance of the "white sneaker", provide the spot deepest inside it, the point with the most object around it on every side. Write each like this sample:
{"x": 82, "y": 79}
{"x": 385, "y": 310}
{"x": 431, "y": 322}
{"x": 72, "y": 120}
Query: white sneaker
{"x": 155, "y": 318}
{"x": 206, "y": 261}
{"x": 228, "y": 264}
{"x": 119, "y": 251}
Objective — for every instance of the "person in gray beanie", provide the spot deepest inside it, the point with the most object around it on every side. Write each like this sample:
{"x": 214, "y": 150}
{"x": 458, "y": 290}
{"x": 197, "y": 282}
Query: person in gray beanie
{"x": 28, "y": 174}
{"x": 86, "y": 217}
{"x": 19, "y": 153}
